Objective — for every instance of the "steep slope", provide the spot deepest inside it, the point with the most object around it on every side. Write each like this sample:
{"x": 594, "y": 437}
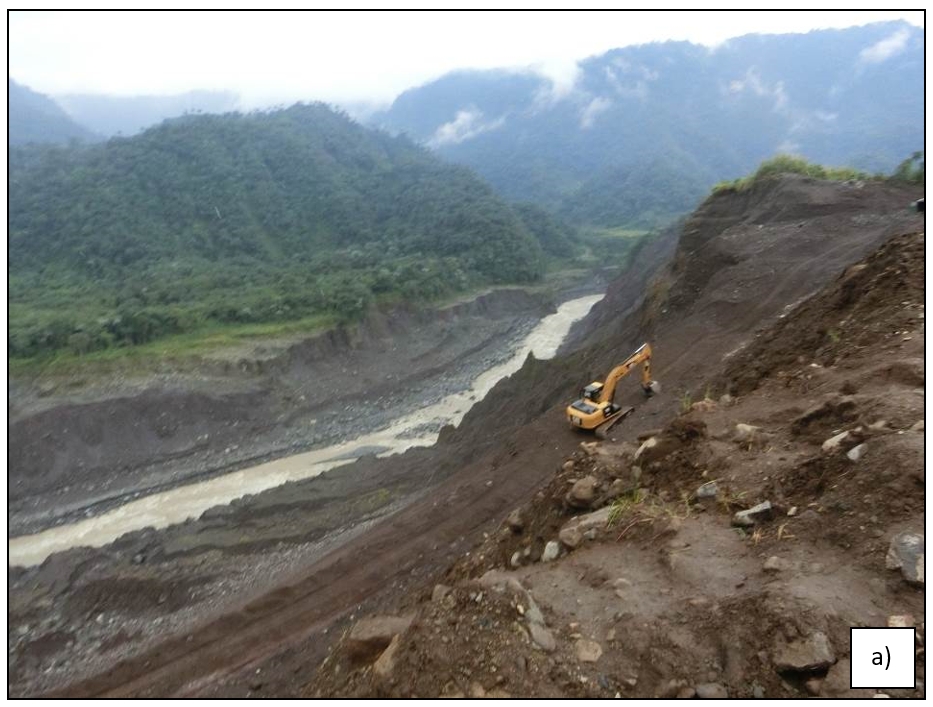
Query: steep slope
{"x": 668, "y": 120}
{"x": 654, "y": 594}
{"x": 238, "y": 219}
{"x": 747, "y": 255}
{"x": 36, "y": 118}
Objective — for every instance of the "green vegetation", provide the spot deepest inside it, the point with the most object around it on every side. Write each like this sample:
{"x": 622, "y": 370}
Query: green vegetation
{"x": 210, "y": 223}
{"x": 911, "y": 170}
{"x": 612, "y": 247}
{"x": 790, "y": 164}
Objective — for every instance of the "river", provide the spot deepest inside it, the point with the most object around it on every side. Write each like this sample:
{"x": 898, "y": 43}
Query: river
{"x": 190, "y": 501}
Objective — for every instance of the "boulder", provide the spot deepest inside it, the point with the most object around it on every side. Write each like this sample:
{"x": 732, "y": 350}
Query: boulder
{"x": 588, "y": 651}
{"x": 906, "y": 553}
{"x": 582, "y": 493}
{"x": 707, "y": 490}
{"x": 385, "y": 663}
{"x": 838, "y": 680}
{"x": 805, "y": 655}
{"x": 551, "y": 551}
{"x": 711, "y": 691}
{"x": 542, "y": 637}
{"x": 571, "y": 536}
{"x": 857, "y": 452}
{"x": 440, "y": 591}
{"x": 777, "y": 564}
{"x": 917, "y": 426}
{"x": 516, "y": 521}
{"x": 705, "y": 405}
{"x": 749, "y": 435}
{"x": 369, "y": 637}
{"x": 753, "y": 516}
{"x": 835, "y": 442}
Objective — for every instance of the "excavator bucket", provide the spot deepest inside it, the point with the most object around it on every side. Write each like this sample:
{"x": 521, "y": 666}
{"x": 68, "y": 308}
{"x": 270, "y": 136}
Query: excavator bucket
{"x": 653, "y": 388}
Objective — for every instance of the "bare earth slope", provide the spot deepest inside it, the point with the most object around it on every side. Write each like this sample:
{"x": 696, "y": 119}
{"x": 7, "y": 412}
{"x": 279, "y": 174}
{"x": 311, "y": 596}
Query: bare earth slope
{"x": 743, "y": 260}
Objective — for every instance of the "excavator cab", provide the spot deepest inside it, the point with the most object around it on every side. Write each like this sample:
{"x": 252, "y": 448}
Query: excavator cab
{"x": 592, "y": 391}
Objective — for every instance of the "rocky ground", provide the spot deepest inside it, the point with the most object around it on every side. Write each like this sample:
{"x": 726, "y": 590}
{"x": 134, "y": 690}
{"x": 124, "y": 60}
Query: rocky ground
{"x": 661, "y": 594}
{"x": 725, "y": 555}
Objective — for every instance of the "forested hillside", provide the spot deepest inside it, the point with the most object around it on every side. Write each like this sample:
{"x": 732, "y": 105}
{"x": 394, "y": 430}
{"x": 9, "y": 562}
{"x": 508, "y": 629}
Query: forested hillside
{"x": 267, "y": 217}
{"x": 647, "y": 130}
{"x": 36, "y": 118}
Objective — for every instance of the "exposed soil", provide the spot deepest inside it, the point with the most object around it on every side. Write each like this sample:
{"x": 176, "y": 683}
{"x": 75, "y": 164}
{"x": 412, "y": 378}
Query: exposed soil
{"x": 675, "y": 599}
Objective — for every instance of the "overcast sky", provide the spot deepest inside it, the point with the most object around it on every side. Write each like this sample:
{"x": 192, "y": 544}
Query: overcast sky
{"x": 280, "y": 57}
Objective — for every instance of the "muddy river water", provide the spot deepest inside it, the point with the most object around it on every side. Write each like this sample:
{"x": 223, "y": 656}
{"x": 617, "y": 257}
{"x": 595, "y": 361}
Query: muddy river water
{"x": 190, "y": 501}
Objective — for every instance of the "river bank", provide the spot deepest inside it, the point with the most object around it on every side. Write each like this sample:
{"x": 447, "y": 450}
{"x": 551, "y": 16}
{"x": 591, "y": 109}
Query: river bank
{"x": 79, "y": 453}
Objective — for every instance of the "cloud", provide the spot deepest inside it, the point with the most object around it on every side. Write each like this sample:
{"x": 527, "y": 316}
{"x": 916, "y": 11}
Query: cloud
{"x": 752, "y": 82}
{"x": 885, "y": 48}
{"x": 466, "y": 125}
{"x": 593, "y": 109}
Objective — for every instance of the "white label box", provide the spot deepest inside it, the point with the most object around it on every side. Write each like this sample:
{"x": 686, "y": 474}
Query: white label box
{"x": 883, "y": 657}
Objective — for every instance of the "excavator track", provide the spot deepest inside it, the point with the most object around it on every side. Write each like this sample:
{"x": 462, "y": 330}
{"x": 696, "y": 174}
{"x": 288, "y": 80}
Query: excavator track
{"x": 603, "y": 430}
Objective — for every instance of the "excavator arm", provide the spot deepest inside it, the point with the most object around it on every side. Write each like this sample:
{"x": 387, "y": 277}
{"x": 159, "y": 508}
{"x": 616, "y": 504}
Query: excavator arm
{"x": 643, "y": 354}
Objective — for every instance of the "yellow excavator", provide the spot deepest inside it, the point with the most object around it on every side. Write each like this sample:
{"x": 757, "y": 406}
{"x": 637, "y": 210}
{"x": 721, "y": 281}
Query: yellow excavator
{"x": 596, "y": 410}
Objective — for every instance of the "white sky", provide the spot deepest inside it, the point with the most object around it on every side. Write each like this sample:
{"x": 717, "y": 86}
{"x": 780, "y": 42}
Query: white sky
{"x": 345, "y": 57}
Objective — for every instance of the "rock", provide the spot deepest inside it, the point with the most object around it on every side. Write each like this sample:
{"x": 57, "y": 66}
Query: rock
{"x": 588, "y": 651}
{"x": 385, "y": 663}
{"x": 753, "y": 516}
{"x": 906, "y": 553}
{"x": 595, "y": 520}
{"x": 582, "y": 493}
{"x": 568, "y": 465}
{"x": 726, "y": 400}
{"x": 542, "y": 637}
{"x": 686, "y": 693}
{"x": 589, "y": 448}
{"x": 373, "y": 635}
{"x": 758, "y": 692}
{"x": 670, "y": 689}
{"x": 857, "y": 452}
{"x": 834, "y": 442}
{"x": 805, "y": 655}
{"x": 617, "y": 488}
{"x": 748, "y": 435}
{"x": 516, "y": 560}
{"x": 711, "y": 691}
{"x": 879, "y": 426}
{"x": 917, "y": 426}
{"x": 837, "y": 682}
{"x": 705, "y": 405}
{"x": 570, "y": 536}
{"x": 813, "y": 686}
{"x": 836, "y": 409}
{"x": 440, "y": 591}
{"x": 707, "y": 490}
{"x": 551, "y": 551}
{"x": 533, "y": 613}
{"x": 139, "y": 558}
{"x": 777, "y": 564}
{"x": 477, "y": 691}
{"x": 516, "y": 521}
{"x": 901, "y": 621}
{"x": 648, "y": 444}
